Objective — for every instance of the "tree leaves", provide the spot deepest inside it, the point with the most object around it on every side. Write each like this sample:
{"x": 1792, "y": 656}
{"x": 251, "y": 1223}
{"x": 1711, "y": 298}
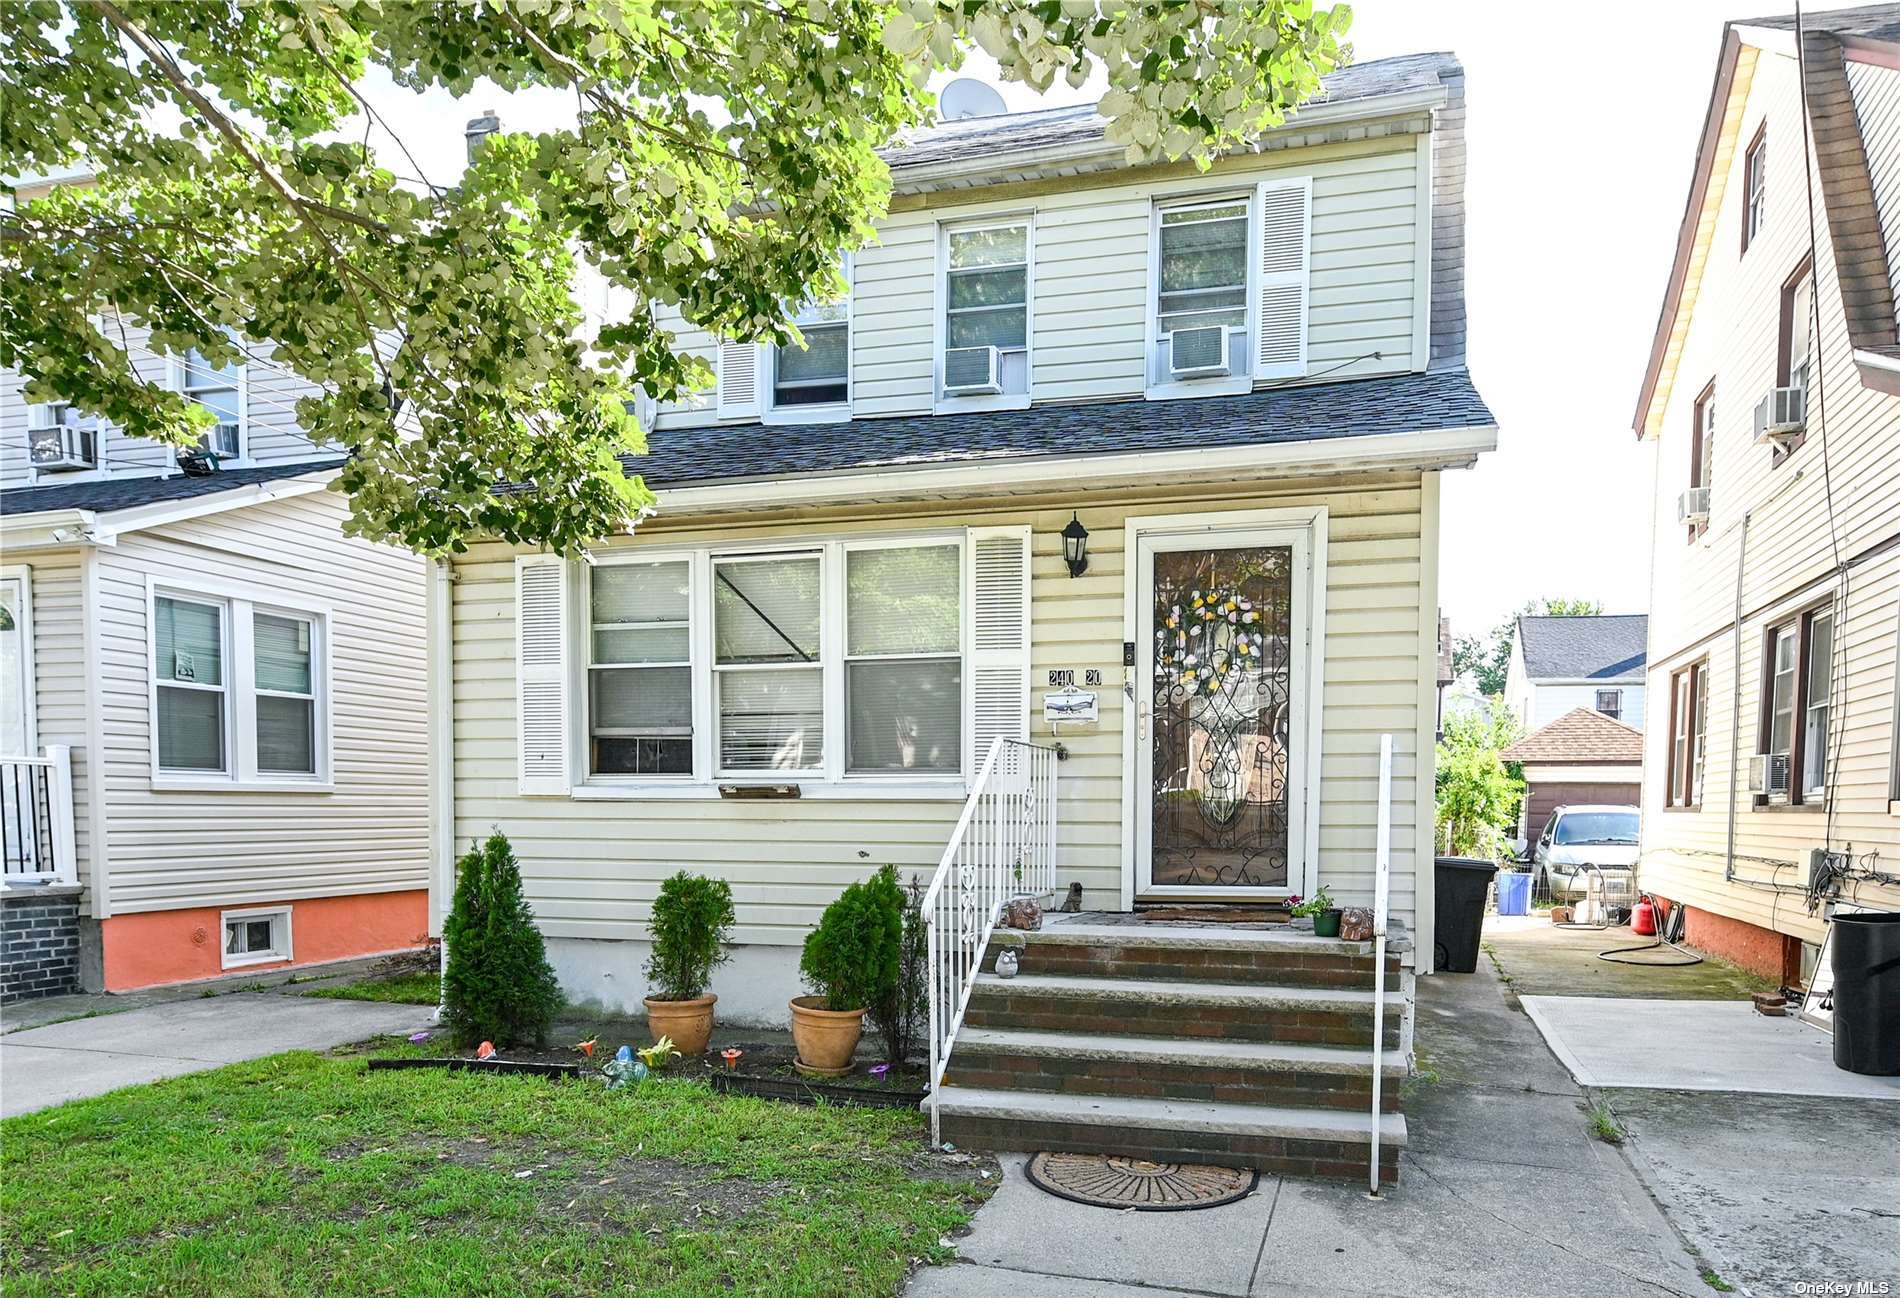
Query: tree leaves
{"x": 722, "y": 158}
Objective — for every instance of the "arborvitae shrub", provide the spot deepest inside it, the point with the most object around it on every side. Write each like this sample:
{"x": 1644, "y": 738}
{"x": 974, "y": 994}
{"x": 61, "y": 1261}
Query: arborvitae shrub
{"x": 900, "y": 1018}
{"x": 499, "y": 986}
{"x": 692, "y": 918}
{"x": 851, "y": 958}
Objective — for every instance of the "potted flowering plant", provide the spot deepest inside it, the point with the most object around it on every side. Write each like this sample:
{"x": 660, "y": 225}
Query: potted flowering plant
{"x": 1320, "y": 909}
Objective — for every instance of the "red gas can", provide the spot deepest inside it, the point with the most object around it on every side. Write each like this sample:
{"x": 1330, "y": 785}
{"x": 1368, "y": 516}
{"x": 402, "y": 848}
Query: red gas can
{"x": 1643, "y": 918}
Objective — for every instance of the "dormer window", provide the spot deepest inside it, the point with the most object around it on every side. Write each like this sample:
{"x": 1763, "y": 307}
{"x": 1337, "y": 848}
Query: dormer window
{"x": 1203, "y": 266}
{"x": 219, "y": 389}
{"x": 986, "y": 312}
{"x": 819, "y": 372}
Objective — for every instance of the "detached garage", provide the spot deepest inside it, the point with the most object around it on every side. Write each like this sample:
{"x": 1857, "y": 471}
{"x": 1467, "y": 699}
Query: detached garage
{"x": 1582, "y": 756}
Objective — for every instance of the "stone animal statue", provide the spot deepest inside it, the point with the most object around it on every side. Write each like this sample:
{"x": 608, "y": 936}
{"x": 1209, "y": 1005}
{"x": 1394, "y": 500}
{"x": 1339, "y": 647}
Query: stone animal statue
{"x": 1072, "y": 904}
{"x": 1355, "y": 924}
{"x": 1022, "y": 913}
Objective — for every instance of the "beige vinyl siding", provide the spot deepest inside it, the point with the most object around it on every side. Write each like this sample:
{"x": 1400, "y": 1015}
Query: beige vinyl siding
{"x": 172, "y": 848}
{"x": 57, "y": 580}
{"x": 592, "y": 867}
{"x": 1091, "y": 275}
{"x": 1733, "y": 338}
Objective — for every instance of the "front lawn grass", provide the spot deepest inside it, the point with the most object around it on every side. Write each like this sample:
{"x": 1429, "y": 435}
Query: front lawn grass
{"x": 404, "y": 989}
{"x": 309, "y": 1174}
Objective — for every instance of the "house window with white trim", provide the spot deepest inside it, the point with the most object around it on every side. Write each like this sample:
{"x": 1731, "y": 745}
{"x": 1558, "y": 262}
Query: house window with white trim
{"x": 768, "y": 669}
{"x": 903, "y": 658}
{"x": 255, "y": 937}
{"x": 219, "y": 389}
{"x": 986, "y": 310}
{"x": 1202, "y": 277}
{"x": 818, "y": 372}
{"x": 238, "y": 689}
{"x": 640, "y": 668}
{"x": 1610, "y": 704}
{"x": 188, "y": 638}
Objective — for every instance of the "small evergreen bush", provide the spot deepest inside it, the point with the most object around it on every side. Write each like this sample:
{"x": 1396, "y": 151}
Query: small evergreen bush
{"x": 499, "y": 986}
{"x": 851, "y": 958}
{"x": 900, "y": 1018}
{"x": 691, "y": 921}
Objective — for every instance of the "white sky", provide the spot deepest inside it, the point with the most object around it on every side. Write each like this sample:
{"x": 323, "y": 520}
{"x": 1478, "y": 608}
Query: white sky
{"x": 1581, "y": 140}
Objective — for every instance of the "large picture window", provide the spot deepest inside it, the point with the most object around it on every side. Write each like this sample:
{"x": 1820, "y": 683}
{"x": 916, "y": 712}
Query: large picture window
{"x": 238, "y": 689}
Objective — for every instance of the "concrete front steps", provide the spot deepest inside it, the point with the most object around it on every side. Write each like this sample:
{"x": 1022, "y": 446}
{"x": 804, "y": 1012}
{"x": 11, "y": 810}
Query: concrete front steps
{"x": 1248, "y": 1047}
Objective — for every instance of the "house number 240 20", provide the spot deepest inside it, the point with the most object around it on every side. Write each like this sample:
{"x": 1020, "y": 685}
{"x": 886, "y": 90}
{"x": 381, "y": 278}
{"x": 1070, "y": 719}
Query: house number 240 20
{"x": 1063, "y": 677}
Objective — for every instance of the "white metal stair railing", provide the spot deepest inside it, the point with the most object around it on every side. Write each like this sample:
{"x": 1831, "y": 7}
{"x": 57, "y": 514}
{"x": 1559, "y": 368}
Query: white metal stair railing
{"x": 1381, "y": 904}
{"x": 36, "y": 817}
{"x": 1004, "y": 846}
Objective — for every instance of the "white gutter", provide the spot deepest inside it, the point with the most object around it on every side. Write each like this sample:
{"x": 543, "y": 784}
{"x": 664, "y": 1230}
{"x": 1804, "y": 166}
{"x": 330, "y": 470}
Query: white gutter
{"x": 924, "y": 176}
{"x": 1443, "y": 448}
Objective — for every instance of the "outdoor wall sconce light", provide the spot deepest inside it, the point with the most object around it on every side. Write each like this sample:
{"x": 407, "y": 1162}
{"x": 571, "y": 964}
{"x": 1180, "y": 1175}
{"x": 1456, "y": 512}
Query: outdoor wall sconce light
{"x": 1075, "y": 545}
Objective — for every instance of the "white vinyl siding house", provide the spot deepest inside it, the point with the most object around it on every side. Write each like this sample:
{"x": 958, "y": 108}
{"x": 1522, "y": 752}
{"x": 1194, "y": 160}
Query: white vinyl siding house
{"x": 1786, "y": 606}
{"x": 796, "y": 668}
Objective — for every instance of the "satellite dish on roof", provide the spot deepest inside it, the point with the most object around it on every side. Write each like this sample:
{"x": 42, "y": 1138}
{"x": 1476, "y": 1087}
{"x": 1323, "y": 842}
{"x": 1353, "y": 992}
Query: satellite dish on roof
{"x": 968, "y": 97}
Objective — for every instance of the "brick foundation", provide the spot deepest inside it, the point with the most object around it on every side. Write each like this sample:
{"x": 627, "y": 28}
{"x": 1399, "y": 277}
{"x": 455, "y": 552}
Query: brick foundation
{"x": 39, "y": 942}
{"x": 1756, "y": 949}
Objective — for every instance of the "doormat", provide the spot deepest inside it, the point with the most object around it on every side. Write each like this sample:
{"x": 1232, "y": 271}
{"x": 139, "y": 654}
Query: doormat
{"x": 1111, "y": 1181}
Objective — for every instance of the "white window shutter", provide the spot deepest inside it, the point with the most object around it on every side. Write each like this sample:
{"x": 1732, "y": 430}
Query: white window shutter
{"x": 541, "y": 672}
{"x": 738, "y": 379}
{"x": 997, "y": 698}
{"x": 1285, "y": 224}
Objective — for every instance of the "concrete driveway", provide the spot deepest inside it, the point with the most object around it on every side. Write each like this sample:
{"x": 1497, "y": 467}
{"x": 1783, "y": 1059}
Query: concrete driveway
{"x": 44, "y": 1066}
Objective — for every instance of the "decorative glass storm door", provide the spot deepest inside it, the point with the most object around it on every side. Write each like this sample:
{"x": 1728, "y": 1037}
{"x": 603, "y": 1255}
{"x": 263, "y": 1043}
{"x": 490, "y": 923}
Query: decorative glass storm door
{"x": 1220, "y": 700}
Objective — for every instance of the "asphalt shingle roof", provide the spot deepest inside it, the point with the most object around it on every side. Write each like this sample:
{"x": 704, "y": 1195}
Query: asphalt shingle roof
{"x": 1611, "y": 647}
{"x": 1579, "y": 735}
{"x": 1880, "y": 22}
{"x": 105, "y": 495}
{"x": 1078, "y": 124}
{"x": 1443, "y": 399}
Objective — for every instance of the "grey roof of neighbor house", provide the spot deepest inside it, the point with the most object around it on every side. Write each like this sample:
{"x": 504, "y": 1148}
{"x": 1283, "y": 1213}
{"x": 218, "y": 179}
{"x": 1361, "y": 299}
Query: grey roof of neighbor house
{"x": 1080, "y": 124}
{"x": 1881, "y": 22}
{"x": 1609, "y": 647}
{"x": 1440, "y": 399}
{"x": 106, "y": 495}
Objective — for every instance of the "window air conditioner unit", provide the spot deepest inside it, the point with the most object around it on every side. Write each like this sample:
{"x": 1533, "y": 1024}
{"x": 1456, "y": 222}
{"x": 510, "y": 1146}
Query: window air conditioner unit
{"x": 1692, "y": 506}
{"x": 1781, "y": 414}
{"x": 68, "y": 444}
{"x": 1768, "y": 774}
{"x": 1198, "y": 353}
{"x": 972, "y": 371}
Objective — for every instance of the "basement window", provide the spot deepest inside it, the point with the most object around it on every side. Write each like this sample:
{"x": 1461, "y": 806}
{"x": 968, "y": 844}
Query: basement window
{"x": 255, "y": 937}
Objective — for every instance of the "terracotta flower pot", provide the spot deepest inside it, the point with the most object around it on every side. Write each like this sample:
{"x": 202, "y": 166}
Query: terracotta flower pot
{"x": 826, "y": 1039}
{"x": 689, "y": 1023}
{"x": 1326, "y": 923}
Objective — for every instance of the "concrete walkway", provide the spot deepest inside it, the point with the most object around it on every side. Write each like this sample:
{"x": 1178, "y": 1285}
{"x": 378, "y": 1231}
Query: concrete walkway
{"x": 44, "y": 1066}
{"x": 1503, "y": 1191}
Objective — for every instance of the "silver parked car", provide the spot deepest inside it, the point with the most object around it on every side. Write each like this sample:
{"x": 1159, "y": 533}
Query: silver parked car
{"x": 1588, "y": 834}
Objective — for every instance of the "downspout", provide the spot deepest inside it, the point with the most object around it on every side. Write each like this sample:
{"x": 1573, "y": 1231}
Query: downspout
{"x": 1735, "y": 702}
{"x": 441, "y": 695}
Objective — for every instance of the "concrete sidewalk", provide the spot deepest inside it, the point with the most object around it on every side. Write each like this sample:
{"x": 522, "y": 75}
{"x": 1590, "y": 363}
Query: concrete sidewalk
{"x": 1503, "y": 1191}
{"x": 44, "y": 1066}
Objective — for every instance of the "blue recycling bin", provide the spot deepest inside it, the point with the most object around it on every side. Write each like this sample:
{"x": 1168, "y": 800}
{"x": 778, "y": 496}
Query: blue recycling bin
{"x": 1514, "y": 894}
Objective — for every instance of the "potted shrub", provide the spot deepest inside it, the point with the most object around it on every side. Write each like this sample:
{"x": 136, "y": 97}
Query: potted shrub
{"x": 691, "y": 920}
{"x": 850, "y": 962}
{"x": 1320, "y": 909}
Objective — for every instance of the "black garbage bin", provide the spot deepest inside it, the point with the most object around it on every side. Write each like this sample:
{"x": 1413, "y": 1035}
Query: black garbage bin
{"x": 1867, "y": 993}
{"x": 1458, "y": 914}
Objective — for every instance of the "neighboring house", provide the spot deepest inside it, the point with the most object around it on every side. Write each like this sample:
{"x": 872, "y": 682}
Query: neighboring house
{"x": 1581, "y": 757}
{"x": 1559, "y": 664}
{"x": 1775, "y": 593}
{"x": 856, "y": 578}
{"x": 213, "y": 731}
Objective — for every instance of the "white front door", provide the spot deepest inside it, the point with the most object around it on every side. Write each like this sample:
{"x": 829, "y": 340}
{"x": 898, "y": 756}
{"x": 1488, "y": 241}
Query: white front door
{"x": 16, "y": 668}
{"x": 1222, "y": 681}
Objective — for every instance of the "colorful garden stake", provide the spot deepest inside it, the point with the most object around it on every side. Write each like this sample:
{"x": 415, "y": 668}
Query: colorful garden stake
{"x": 485, "y": 1051}
{"x": 731, "y": 1054}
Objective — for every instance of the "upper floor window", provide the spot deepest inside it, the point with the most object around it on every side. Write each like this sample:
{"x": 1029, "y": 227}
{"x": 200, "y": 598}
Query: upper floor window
{"x": 986, "y": 310}
{"x": 236, "y": 688}
{"x": 1795, "y": 355}
{"x": 1203, "y": 270}
{"x": 1796, "y": 683}
{"x": 1701, "y": 463}
{"x": 1610, "y": 703}
{"x": 819, "y": 372}
{"x": 219, "y": 389}
{"x": 1755, "y": 187}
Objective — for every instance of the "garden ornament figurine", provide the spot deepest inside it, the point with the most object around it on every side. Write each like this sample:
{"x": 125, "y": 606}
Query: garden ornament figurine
{"x": 1007, "y": 963}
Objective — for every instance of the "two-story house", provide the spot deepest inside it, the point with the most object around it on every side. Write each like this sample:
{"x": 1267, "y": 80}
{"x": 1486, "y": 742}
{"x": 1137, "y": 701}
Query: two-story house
{"x": 1140, "y": 461}
{"x": 213, "y": 748}
{"x": 1773, "y": 394}
{"x": 1560, "y": 664}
